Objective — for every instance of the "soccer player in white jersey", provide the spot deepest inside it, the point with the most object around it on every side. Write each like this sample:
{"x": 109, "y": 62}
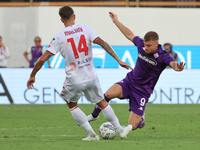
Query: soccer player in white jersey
{"x": 75, "y": 45}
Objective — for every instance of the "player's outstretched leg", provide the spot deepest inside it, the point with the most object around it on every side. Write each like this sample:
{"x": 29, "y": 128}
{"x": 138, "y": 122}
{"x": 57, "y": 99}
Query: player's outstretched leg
{"x": 95, "y": 114}
{"x": 136, "y": 120}
{"x": 81, "y": 118}
{"x": 111, "y": 117}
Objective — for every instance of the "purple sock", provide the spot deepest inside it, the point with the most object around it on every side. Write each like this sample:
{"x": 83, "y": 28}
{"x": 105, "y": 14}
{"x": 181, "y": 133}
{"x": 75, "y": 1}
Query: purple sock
{"x": 97, "y": 110}
{"x": 140, "y": 123}
{"x": 107, "y": 99}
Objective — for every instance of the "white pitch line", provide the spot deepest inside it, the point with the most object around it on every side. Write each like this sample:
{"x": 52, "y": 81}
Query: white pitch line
{"x": 18, "y": 139}
{"x": 155, "y": 141}
{"x": 101, "y": 140}
{"x": 16, "y": 128}
{"x": 190, "y": 142}
{"x": 30, "y": 128}
{"x": 61, "y": 135}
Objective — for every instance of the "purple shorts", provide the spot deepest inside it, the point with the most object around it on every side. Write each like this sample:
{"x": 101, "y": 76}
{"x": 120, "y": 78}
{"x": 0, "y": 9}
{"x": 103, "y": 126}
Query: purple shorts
{"x": 137, "y": 99}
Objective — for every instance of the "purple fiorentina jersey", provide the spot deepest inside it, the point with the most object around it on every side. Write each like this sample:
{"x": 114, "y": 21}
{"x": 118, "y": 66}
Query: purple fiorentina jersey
{"x": 36, "y": 53}
{"x": 148, "y": 67}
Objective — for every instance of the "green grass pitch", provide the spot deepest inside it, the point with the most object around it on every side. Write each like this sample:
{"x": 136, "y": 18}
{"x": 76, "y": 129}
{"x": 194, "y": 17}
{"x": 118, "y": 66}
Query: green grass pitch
{"x": 51, "y": 127}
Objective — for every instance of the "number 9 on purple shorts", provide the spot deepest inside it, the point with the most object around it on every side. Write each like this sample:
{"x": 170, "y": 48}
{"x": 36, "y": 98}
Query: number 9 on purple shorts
{"x": 137, "y": 99}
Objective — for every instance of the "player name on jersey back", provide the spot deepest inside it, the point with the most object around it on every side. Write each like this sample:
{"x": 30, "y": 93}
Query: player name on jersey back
{"x": 73, "y": 31}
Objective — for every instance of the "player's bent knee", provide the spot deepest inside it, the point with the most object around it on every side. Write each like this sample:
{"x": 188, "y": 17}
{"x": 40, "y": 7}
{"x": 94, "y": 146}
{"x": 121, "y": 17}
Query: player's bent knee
{"x": 114, "y": 91}
{"x": 108, "y": 95}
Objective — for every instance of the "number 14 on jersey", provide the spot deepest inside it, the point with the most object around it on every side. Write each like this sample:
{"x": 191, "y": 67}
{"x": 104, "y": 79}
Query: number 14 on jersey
{"x": 82, "y": 46}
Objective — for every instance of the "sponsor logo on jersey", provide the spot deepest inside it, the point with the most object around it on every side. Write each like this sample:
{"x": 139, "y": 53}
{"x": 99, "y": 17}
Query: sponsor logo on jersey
{"x": 84, "y": 60}
{"x": 149, "y": 60}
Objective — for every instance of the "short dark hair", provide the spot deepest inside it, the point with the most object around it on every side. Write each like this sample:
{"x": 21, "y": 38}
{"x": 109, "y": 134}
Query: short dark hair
{"x": 151, "y": 35}
{"x": 66, "y": 12}
{"x": 37, "y": 37}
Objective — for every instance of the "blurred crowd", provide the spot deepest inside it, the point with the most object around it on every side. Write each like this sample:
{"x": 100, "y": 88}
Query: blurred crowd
{"x": 33, "y": 53}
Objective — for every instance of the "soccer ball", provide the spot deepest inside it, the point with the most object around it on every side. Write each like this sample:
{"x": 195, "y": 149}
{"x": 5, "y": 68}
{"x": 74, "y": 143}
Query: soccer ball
{"x": 107, "y": 131}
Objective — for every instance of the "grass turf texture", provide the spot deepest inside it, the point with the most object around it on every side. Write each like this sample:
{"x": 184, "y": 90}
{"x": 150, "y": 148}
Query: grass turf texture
{"x": 52, "y": 127}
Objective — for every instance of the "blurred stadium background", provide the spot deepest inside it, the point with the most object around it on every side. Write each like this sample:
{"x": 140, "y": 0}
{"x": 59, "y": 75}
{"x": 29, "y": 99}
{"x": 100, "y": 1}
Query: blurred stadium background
{"x": 51, "y": 126}
{"x": 176, "y": 21}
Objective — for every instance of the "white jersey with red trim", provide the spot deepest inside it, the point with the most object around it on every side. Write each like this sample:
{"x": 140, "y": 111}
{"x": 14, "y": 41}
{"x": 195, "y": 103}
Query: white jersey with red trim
{"x": 75, "y": 45}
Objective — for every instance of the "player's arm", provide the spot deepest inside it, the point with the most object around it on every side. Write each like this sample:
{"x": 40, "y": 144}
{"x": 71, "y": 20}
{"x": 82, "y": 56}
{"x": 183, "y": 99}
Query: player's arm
{"x": 176, "y": 66}
{"x": 110, "y": 51}
{"x": 37, "y": 67}
{"x": 26, "y": 56}
{"x": 43, "y": 51}
{"x": 126, "y": 31}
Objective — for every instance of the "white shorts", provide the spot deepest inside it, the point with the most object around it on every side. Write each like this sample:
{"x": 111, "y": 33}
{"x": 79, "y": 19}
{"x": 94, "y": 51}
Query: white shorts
{"x": 91, "y": 89}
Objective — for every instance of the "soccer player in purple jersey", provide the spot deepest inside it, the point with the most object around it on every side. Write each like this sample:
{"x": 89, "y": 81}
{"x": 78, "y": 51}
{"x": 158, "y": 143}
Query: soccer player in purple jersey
{"x": 140, "y": 82}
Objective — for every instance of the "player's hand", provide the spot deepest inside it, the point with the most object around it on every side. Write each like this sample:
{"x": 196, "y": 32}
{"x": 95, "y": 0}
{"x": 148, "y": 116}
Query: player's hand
{"x": 30, "y": 82}
{"x": 180, "y": 66}
{"x": 125, "y": 65}
{"x": 113, "y": 16}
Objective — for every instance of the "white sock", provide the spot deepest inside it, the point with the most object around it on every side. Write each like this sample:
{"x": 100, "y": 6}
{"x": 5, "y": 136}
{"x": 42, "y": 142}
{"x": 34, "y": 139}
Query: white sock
{"x": 81, "y": 118}
{"x": 111, "y": 117}
{"x": 130, "y": 126}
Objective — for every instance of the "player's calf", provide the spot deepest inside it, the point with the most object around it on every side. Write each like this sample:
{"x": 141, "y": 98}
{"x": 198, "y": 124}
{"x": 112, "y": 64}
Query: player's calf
{"x": 136, "y": 120}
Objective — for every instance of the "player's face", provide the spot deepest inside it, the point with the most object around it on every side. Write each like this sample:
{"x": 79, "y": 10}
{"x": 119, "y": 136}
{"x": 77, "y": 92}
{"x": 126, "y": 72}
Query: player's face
{"x": 150, "y": 46}
{"x": 37, "y": 42}
{"x": 167, "y": 48}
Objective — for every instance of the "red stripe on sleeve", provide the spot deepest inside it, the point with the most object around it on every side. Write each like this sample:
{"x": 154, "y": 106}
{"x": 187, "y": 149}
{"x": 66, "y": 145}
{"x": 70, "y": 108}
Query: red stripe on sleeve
{"x": 95, "y": 39}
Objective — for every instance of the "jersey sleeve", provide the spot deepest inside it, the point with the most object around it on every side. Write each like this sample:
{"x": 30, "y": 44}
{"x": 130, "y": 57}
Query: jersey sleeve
{"x": 92, "y": 34}
{"x": 138, "y": 41}
{"x": 167, "y": 58}
{"x": 54, "y": 46}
